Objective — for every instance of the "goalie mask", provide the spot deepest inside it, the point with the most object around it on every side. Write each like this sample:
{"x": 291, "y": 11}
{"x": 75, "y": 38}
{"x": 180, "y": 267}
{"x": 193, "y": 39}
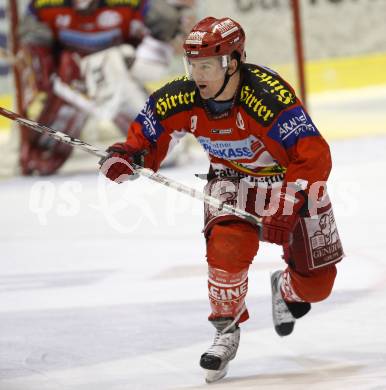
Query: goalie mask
{"x": 209, "y": 48}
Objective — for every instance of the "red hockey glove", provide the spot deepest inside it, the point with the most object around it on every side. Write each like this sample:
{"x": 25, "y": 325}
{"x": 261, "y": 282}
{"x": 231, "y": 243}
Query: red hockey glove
{"x": 115, "y": 166}
{"x": 277, "y": 228}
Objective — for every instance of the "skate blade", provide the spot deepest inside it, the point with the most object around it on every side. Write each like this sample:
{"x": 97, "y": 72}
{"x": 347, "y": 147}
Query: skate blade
{"x": 215, "y": 375}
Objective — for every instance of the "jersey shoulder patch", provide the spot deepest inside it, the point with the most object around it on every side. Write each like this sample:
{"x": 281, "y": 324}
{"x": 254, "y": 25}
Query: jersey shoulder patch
{"x": 174, "y": 97}
{"x": 291, "y": 126}
{"x": 264, "y": 94}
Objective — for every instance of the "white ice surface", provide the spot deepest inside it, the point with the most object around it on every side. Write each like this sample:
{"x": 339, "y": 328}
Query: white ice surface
{"x": 103, "y": 287}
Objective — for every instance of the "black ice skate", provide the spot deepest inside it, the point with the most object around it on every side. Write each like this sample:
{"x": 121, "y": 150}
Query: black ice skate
{"x": 226, "y": 341}
{"x": 284, "y": 314}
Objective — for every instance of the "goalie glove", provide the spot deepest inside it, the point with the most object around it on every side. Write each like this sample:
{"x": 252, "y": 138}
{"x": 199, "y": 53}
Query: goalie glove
{"x": 115, "y": 166}
{"x": 278, "y": 225}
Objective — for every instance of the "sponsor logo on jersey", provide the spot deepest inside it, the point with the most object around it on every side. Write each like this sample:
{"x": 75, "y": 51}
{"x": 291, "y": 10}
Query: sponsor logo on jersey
{"x": 267, "y": 180}
{"x": 270, "y": 170}
{"x": 132, "y": 3}
{"x": 291, "y": 126}
{"x": 109, "y": 19}
{"x": 224, "y": 172}
{"x": 295, "y": 125}
{"x": 193, "y": 123}
{"x": 168, "y": 102}
{"x": 49, "y": 3}
{"x": 256, "y": 104}
{"x": 257, "y": 145}
{"x": 276, "y": 87}
{"x": 229, "y": 150}
{"x": 221, "y": 131}
{"x": 63, "y": 20}
{"x": 151, "y": 127}
{"x": 240, "y": 121}
{"x": 228, "y": 172}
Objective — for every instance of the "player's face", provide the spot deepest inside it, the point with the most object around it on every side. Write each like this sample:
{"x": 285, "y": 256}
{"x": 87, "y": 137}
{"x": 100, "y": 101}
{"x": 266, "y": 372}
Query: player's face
{"x": 208, "y": 74}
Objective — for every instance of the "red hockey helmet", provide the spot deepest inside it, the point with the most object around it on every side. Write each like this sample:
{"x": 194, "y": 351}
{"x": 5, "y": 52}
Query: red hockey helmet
{"x": 215, "y": 37}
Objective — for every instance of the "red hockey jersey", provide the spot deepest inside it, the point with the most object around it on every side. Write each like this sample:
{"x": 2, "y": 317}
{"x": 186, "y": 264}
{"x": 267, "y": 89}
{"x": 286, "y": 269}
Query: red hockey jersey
{"x": 266, "y": 135}
{"x": 112, "y": 23}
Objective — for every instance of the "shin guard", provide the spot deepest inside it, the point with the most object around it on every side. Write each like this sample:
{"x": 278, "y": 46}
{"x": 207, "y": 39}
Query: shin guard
{"x": 227, "y": 293}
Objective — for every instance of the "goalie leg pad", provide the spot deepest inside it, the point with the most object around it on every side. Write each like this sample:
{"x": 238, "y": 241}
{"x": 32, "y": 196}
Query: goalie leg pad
{"x": 41, "y": 153}
{"x": 44, "y": 155}
{"x": 35, "y": 67}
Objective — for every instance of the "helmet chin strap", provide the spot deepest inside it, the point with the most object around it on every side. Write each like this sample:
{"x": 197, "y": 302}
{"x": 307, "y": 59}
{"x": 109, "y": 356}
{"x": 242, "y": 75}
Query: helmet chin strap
{"x": 225, "y": 83}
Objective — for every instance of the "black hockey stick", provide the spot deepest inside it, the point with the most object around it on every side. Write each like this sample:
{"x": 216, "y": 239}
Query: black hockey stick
{"x": 62, "y": 137}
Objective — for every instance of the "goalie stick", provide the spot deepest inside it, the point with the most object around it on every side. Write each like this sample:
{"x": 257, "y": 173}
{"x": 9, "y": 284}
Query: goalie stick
{"x": 150, "y": 174}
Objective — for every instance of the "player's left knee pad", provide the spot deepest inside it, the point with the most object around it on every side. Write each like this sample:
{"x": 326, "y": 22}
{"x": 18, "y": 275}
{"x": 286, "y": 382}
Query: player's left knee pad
{"x": 231, "y": 246}
{"x": 315, "y": 286}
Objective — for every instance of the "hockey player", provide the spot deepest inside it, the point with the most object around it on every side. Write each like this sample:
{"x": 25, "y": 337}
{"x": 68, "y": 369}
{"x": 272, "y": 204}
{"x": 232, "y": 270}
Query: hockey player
{"x": 267, "y": 156}
{"x": 70, "y": 49}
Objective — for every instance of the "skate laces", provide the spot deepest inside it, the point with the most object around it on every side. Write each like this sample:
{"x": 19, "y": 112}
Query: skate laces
{"x": 282, "y": 312}
{"x": 224, "y": 344}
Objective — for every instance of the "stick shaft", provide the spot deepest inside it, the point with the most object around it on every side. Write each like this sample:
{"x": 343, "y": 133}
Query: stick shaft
{"x": 58, "y": 135}
{"x": 62, "y": 137}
